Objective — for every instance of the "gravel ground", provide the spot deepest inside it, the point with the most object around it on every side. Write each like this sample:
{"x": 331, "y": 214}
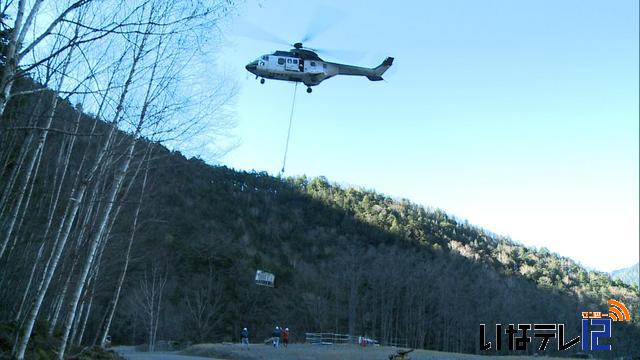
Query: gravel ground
{"x": 130, "y": 353}
{"x": 322, "y": 352}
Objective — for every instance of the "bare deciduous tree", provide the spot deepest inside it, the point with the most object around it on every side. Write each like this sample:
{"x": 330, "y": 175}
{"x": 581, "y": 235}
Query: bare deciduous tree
{"x": 204, "y": 304}
{"x": 148, "y": 297}
{"x": 141, "y": 95}
{"x": 27, "y": 21}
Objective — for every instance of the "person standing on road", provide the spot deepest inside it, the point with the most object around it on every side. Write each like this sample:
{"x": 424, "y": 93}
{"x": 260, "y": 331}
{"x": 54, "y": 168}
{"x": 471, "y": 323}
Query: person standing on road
{"x": 276, "y": 337}
{"x": 285, "y": 337}
{"x": 244, "y": 335}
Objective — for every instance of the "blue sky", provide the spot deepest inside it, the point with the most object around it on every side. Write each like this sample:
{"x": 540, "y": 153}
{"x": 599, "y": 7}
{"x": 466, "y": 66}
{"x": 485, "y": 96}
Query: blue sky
{"x": 520, "y": 116}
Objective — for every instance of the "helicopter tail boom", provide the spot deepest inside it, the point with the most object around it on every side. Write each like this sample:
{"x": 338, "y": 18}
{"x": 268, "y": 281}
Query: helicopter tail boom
{"x": 373, "y": 74}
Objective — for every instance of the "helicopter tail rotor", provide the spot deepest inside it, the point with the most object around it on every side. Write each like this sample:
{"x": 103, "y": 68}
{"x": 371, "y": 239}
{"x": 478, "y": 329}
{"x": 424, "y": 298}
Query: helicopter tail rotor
{"x": 380, "y": 69}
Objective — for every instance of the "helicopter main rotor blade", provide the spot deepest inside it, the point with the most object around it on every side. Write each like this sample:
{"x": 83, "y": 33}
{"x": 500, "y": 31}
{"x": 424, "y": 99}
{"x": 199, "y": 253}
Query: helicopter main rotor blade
{"x": 254, "y": 32}
{"x": 324, "y": 18}
{"x": 341, "y": 54}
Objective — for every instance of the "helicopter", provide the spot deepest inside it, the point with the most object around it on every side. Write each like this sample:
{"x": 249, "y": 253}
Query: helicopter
{"x": 302, "y": 64}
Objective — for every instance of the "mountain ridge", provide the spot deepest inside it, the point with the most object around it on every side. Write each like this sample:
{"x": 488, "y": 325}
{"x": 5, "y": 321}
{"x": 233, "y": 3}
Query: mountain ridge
{"x": 629, "y": 275}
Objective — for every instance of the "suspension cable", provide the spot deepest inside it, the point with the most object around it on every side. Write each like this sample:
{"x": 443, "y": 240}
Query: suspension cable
{"x": 286, "y": 147}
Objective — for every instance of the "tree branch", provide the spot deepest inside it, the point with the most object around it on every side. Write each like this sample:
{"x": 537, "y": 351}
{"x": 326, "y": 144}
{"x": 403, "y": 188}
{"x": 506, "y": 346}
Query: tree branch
{"x": 51, "y": 129}
{"x": 53, "y": 24}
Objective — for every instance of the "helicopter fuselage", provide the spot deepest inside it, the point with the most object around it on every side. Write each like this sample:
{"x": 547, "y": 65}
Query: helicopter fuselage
{"x": 301, "y": 65}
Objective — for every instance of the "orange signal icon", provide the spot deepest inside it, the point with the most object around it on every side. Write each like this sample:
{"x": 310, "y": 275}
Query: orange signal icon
{"x": 618, "y": 311}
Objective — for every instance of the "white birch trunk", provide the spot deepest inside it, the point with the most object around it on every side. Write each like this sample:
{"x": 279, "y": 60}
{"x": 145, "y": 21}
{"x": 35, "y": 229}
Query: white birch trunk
{"x": 25, "y": 207}
{"x": 93, "y": 278}
{"x": 17, "y": 170}
{"x": 63, "y": 294}
{"x": 78, "y": 340}
{"x": 93, "y": 246}
{"x": 81, "y": 314}
{"x": 111, "y": 309}
{"x": 53, "y": 207}
{"x": 115, "y": 189}
{"x": 64, "y": 230}
{"x": 152, "y": 290}
{"x": 6, "y": 80}
{"x": 28, "y": 175}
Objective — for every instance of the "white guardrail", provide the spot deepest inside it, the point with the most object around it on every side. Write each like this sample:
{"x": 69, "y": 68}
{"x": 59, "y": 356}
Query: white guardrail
{"x": 332, "y": 339}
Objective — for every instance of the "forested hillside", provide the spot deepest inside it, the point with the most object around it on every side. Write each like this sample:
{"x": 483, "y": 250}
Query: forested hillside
{"x": 346, "y": 260}
{"x": 353, "y": 261}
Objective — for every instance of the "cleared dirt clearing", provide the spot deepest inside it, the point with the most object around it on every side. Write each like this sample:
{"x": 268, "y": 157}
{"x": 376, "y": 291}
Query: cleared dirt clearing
{"x": 321, "y": 352}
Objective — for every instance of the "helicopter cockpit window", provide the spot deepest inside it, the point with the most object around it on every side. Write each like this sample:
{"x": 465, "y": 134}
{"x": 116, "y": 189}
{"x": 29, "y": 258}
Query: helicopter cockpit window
{"x": 265, "y": 58}
{"x": 280, "y": 61}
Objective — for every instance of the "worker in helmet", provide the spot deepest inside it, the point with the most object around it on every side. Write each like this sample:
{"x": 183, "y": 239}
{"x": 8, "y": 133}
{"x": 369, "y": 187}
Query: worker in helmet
{"x": 276, "y": 337}
{"x": 244, "y": 336}
{"x": 285, "y": 337}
